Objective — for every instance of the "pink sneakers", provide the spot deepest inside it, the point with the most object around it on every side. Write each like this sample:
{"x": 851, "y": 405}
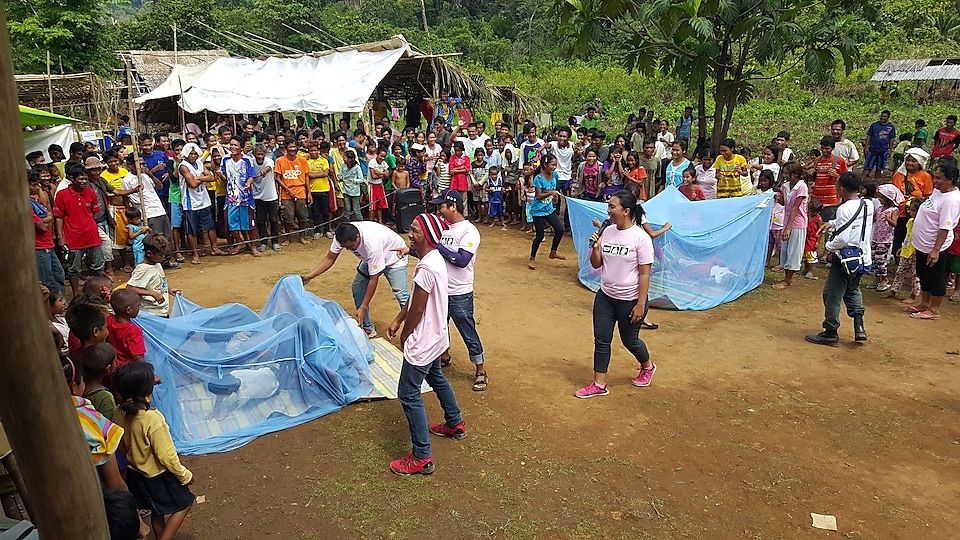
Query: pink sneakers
{"x": 645, "y": 376}
{"x": 592, "y": 390}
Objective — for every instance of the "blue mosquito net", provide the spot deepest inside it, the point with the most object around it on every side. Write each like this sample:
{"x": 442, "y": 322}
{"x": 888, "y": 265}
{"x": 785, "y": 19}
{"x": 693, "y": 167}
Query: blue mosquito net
{"x": 230, "y": 375}
{"x": 714, "y": 253}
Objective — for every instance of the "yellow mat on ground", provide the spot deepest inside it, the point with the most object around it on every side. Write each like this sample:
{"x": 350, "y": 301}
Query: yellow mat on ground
{"x": 387, "y": 360}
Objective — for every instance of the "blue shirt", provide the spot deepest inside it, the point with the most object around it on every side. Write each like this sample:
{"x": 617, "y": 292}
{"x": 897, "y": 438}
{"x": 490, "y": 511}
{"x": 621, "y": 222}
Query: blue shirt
{"x": 137, "y": 243}
{"x": 880, "y": 136}
{"x": 544, "y": 207}
{"x": 674, "y": 175}
{"x": 152, "y": 161}
{"x": 686, "y": 125}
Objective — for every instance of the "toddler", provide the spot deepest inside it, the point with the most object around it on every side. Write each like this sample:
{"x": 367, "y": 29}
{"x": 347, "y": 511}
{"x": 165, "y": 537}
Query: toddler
{"x": 494, "y": 189}
{"x": 529, "y": 195}
{"x": 884, "y": 222}
{"x": 776, "y": 229}
{"x": 813, "y": 234}
{"x": 136, "y": 232}
{"x": 907, "y": 267}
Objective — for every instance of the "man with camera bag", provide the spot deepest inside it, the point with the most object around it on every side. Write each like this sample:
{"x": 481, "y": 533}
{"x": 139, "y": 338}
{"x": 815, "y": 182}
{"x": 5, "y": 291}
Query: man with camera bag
{"x": 850, "y": 258}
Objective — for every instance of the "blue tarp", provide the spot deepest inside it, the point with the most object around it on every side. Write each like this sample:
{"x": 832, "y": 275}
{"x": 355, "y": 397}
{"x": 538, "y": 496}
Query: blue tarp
{"x": 714, "y": 253}
{"x": 230, "y": 375}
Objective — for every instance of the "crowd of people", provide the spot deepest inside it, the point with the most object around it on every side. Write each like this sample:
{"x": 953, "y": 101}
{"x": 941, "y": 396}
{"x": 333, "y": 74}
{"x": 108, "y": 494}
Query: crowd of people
{"x": 253, "y": 185}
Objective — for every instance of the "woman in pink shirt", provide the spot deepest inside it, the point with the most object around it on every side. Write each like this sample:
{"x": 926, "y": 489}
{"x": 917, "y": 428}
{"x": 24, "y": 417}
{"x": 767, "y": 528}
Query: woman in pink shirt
{"x": 624, "y": 255}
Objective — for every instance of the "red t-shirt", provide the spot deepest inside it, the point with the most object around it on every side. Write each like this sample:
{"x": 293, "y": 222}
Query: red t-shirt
{"x": 944, "y": 142}
{"x": 813, "y": 224}
{"x": 42, "y": 240}
{"x": 825, "y": 186}
{"x": 126, "y": 338}
{"x": 77, "y": 210}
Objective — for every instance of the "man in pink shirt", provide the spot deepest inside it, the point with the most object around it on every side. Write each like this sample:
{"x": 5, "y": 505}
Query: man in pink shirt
{"x": 423, "y": 339}
{"x": 458, "y": 247}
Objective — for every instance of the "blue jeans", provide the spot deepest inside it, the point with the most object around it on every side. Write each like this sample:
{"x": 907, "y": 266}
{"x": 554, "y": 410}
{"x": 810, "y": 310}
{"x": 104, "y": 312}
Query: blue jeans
{"x": 608, "y": 312}
{"x": 408, "y": 393}
{"x": 840, "y": 286}
{"x": 351, "y": 205}
{"x": 461, "y": 311}
{"x": 50, "y": 270}
{"x": 396, "y": 277}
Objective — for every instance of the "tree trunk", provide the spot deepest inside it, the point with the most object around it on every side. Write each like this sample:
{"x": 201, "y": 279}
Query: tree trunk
{"x": 701, "y": 113}
{"x": 35, "y": 406}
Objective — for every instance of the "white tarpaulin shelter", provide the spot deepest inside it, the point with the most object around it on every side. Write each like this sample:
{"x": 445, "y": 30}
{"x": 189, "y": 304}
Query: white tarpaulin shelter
{"x": 180, "y": 79}
{"x": 341, "y": 81}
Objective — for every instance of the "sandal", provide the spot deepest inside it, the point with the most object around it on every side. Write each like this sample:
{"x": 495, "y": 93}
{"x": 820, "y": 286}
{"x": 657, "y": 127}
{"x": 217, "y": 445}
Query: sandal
{"x": 480, "y": 382}
{"x": 180, "y": 259}
{"x": 923, "y": 316}
{"x": 126, "y": 269}
{"x": 955, "y": 297}
{"x": 649, "y": 326}
{"x": 445, "y": 362}
{"x": 911, "y": 309}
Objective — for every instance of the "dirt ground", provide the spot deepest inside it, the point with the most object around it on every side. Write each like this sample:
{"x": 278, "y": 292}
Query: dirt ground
{"x": 745, "y": 431}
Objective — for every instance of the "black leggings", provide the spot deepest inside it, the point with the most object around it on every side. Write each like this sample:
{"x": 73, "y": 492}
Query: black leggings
{"x": 320, "y": 211}
{"x": 538, "y": 223}
{"x": 899, "y": 234}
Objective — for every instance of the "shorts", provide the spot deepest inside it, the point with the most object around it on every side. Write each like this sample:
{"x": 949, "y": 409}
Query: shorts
{"x": 933, "y": 279}
{"x": 496, "y": 209}
{"x": 791, "y": 251}
{"x": 876, "y": 161}
{"x": 199, "y": 221}
{"x": 94, "y": 256}
{"x": 238, "y": 218}
{"x": 176, "y": 215}
{"x": 479, "y": 195}
{"x": 294, "y": 210}
{"x": 954, "y": 264}
{"x": 160, "y": 225}
{"x": 378, "y": 197}
{"x": 106, "y": 241}
{"x": 120, "y": 232}
{"x": 810, "y": 256}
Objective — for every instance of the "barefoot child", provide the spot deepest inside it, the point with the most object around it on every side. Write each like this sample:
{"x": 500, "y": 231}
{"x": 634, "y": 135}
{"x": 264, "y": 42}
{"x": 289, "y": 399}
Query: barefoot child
{"x": 155, "y": 475}
{"x": 794, "y": 191}
{"x": 776, "y": 229}
{"x": 813, "y": 235}
{"x": 883, "y": 224}
{"x": 907, "y": 267}
{"x": 136, "y": 232}
{"x": 527, "y": 195}
{"x": 494, "y": 189}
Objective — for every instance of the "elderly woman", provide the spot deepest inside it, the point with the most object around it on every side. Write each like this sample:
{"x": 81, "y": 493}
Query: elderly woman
{"x": 912, "y": 181}
{"x": 932, "y": 235}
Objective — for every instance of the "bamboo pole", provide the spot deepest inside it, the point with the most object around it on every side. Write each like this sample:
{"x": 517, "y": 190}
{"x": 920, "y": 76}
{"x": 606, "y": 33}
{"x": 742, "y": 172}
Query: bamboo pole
{"x": 176, "y": 60}
{"x": 49, "y": 81}
{"x": 35, "y": 406}
{"x": 135, "y": 140}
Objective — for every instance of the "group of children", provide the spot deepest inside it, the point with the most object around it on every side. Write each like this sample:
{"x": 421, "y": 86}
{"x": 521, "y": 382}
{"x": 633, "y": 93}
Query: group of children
{"x": 104, "y": 361}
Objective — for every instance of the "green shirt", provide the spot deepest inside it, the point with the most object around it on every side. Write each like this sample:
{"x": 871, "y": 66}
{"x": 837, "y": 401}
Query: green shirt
{"x": 587, "y": 123}
{"x": 103, "y": 402}
{"x": 920, "y": 138}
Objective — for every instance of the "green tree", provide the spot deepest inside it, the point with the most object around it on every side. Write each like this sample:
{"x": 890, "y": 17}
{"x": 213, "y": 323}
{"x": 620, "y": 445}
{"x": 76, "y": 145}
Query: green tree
{"x": 719, "y": 45}
{"x": 74, "y": 31}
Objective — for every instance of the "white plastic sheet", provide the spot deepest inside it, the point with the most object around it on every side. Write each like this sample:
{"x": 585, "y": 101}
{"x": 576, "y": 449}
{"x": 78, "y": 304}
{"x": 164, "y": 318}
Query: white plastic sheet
{"x": 336, "y": 82}
{"x": 180, "y": 79}
{"x": 41, "y": 139}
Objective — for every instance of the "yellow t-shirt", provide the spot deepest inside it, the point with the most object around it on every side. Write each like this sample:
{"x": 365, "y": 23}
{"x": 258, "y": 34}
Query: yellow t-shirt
{"x": 728, "y": 179}
{"x": 115, "y": 180}
{"x": 319, "y": 185}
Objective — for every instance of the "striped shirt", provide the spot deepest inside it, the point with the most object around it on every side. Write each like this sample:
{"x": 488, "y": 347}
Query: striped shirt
{"x": 102, "y": 435}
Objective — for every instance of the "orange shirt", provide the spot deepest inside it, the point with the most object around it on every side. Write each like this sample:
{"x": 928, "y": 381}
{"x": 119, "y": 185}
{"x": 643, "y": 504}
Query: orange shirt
{"x": 293, "y": 174}
{"x": 922, "y": 185}
{"x": 637, "y": 176}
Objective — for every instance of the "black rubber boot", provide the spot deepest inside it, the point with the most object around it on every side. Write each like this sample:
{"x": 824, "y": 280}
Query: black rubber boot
{"x": 824, "y": 338}
{"x": 859, "y": 332}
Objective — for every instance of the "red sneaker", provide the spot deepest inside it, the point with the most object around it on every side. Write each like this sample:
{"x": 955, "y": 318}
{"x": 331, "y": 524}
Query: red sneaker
{"x": 410, "y": 465}
{"x": 458, "y": 432}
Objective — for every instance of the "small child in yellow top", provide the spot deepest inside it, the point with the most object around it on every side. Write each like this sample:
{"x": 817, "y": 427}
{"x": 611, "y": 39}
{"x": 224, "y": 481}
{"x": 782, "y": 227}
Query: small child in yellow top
{"x": 907, "y": 265}
{"x": 155, "y": 475}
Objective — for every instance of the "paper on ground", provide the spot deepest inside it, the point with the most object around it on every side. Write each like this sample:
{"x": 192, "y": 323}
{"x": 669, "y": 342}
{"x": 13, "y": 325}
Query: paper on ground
{"x": 821, "y": 521}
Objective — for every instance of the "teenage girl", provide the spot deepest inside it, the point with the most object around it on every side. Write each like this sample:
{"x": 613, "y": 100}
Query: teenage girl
{"x": 706, "y": 174}
{"x": 157, "y": 479}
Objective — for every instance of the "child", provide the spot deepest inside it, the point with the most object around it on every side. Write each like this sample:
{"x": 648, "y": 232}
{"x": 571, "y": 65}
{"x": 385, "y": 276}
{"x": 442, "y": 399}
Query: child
{"x": 238, "y": 176}
{"x": 126, "y": 337}
{"x": 148, "y": 279}
{"x": 102, "y": 436}
{"x": 87, "y": 319}
{"x": 478, "y": 178}
{"x": 765, "y": 182}
{"x": 99, "y": 287}
{"x": 156, "y": 477}
{"x": 901, "y": 149}
{"x": 883, "y": 223}
{"x": 443, "y": 171}
{"x": 136, "y": 232}
{"x": 690, "y": 189}
{"x": 352, "y": 176}
{"x": 869, "y": 192}
{"x": 813, "y": 234}
{"x": 776, "y": 229}
{"x": 528, "y": 196}
{"x": 55, "y": 310}
{"x": 907, "y": 268}
{"x": 99, "y": 361}
{"x": 379, "y": 170}
{"x": 494, "y": 189}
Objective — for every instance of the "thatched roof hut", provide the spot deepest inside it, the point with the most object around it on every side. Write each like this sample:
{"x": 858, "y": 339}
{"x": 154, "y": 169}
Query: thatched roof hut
{"x": 81, "y": 95}
{"x": 150, "y": 68}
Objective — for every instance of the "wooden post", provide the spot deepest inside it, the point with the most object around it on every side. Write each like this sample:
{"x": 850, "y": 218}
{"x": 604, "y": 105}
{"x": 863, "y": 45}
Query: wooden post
{"x": 176, "y": 60}
{"x": 35, "y": 405}
{"x": 49, "y": 81}
{"x": 136, "y": 143}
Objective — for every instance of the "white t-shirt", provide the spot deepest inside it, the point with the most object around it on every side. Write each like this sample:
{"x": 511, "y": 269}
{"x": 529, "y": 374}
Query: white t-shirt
{"x": 940, "y": 212}
{"x": 623, "y": 253}
{"x": 151, "y": 201}
{"x": 377, "y": 243}
{"x": 264, "y": 187}
{"x": 151, "y": 277}
{"x": 377, "y": 166}
{"x": 430, "y": 337}
{"x": 666, "y": 138}
{"x": 786, "y": 155}
{"x": 194, "y": 198}
{"x": 847, "y": 150}
{"x": 564, "y": 160}
{"x": 461, "y": 235}
{"x": 432, "y": 155}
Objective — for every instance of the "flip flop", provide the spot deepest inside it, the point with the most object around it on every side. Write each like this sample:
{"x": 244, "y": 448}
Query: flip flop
{"x": 195, "y": 261}
{"x": 649, "y": 326}
{"x": 911, "y": 309}
{"x": 921, "y": 316}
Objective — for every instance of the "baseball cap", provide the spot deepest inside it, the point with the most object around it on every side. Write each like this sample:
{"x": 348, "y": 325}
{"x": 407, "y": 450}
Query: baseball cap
{"x": 450, "y": 196}
{"x": 93, "y": 162}
{"x": 416, "y": 147}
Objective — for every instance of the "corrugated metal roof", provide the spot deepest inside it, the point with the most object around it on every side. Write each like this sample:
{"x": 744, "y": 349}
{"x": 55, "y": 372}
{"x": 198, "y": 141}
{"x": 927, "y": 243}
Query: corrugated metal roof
{"x": 925, "y": 69}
